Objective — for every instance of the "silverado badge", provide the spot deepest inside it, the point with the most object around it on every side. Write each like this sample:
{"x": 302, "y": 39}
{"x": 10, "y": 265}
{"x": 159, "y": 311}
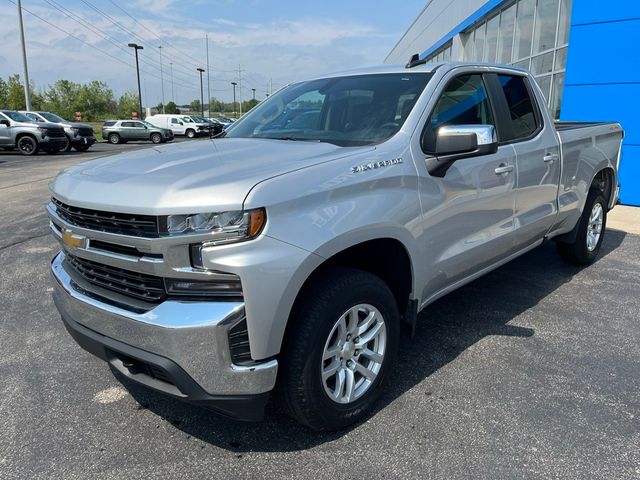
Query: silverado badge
{"x": 373, "y": 165}
{"x": 72, "y": 240}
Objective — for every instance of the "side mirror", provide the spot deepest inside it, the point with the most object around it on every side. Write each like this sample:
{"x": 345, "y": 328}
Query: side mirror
{"x": 181, "y": 123}
{"x": 456, "y": 142}
{"x": 5, "y": 123}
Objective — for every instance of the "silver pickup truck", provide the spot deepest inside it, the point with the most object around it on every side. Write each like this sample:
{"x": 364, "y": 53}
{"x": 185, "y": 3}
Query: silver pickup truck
{"x": 286, "y": 255}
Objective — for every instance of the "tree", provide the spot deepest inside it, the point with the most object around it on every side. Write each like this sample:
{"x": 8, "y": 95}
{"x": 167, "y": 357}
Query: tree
{"x": 171, "y": 107}
{"x": 128, "y": 103}
{"x": 4, "y": 91}
{"x": 15, "y": 93}
{"x": 195, "y": 105}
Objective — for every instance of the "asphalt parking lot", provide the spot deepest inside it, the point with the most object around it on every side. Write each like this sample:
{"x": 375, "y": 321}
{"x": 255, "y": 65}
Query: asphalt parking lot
{"x": 532, "y": 371}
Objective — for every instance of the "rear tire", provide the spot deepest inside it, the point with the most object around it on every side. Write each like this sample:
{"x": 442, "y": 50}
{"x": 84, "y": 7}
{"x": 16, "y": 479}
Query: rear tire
{"x": 191, "y": 133}
{"x": 590, "y": 232}
{"x": 156, "y": 138}
{"x": 82, "y": 148}
{"x": 27, "y": 145}
{"x": 333, "y": 370}
{"x": 114, "y": 138}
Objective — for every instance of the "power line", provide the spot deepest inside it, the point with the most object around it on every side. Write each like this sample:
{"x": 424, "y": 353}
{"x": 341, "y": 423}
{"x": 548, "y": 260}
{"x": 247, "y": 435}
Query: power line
{"x": 78, "y": 19}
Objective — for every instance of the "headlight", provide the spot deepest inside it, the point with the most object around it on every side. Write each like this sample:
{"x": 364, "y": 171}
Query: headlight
{"x": 225, "y": 227}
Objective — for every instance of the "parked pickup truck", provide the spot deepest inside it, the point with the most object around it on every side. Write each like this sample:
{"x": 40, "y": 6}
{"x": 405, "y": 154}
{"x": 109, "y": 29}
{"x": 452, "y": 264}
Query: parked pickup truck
{"x": 287, "y": 260}
{"x": 78, "y": 135}
{"x": 19, "y": 131}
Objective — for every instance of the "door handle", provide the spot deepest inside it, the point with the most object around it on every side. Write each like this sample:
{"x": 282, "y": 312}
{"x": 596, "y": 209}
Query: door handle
{"x": 503, "y": 168}
{"x": 550, "y": 157}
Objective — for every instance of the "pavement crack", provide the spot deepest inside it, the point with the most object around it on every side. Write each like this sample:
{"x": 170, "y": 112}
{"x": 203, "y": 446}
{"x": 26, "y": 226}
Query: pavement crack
{"x": 24, "y": 240}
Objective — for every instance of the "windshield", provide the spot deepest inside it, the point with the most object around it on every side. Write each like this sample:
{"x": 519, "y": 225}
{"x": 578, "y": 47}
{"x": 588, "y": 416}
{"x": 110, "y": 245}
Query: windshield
{"x": 53, "y": 118}
{"x": 345, "y": 111}
{"x": 17, "y": 116}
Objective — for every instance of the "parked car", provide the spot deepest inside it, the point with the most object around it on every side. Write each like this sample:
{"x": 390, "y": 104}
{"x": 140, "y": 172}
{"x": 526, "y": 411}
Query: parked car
{"x": 179, "y": 124}
{"x": 293, "y": 256}
{"x": 79, "y": 135}
{"x": 225, "y": 122}
{"x": 19, "y": 131}
{"x": 122, "y": 131}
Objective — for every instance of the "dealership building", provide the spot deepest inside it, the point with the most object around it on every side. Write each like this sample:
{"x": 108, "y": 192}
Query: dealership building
{"x": 584, "y": 54}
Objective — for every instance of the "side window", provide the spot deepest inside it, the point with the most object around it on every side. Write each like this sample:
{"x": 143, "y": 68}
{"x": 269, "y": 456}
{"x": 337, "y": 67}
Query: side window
{"x": 127, "y": 124}
{"x": 524, "y": 121}
{"x": 137, "y": 125}
{"x": 464, "y": 101}
{"x": 33, "y": 117}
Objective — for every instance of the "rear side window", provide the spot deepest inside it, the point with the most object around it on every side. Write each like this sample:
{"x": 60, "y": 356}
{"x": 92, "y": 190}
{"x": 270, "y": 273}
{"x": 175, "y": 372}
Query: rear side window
{"x": 524, "y": 121}
{"x": 109, "y": 123}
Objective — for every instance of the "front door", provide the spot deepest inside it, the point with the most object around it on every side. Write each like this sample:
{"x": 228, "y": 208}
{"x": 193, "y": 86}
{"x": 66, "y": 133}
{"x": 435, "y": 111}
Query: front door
{"x": 468, "y": 213}
{"x": 5, "y": 132}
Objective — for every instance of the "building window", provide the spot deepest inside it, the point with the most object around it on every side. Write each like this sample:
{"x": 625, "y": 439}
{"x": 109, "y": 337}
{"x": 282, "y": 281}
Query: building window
{"x": 441, "y": 55}
{"x": 531, "y": 34}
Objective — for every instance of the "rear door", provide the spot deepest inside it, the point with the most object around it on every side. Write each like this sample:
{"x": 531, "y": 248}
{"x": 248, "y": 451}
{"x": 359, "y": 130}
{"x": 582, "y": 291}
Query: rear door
{"x": 537, "y": 157}
{"x": 468, "y": 213}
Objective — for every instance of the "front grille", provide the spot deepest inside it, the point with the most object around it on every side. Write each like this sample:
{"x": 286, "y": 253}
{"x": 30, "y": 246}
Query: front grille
{"x": 239, "y": 344}
{"x": 121, "y": 223}
{"x": 141, "y": 286}
{"x": 85, "y": 131}
{"x": 55, "y": 132}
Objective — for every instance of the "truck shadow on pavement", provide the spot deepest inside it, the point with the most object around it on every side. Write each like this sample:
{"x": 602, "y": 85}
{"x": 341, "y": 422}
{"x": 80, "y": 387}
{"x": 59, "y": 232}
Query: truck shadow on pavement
{"x": 445, "y": 329}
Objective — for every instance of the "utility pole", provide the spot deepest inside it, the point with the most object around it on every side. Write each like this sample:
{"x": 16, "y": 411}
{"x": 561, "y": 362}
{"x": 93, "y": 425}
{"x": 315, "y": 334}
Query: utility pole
{"x": 254, "y": 94}
{"x": 240, "y": 88}
{"x": 27, "y": 94}
{"x": 208, "y": 79}
{"x": 173, "y": 93}
{"x": 201, "y": 92}
{"x": 234, "y": 97}
{"x": 137, "y": 47}
{"x": 161, "y": 77}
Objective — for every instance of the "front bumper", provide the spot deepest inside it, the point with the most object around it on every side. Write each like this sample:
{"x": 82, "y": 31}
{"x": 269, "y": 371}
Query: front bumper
{"x": 79, "y": 141}
{"x": 179, "y": 348}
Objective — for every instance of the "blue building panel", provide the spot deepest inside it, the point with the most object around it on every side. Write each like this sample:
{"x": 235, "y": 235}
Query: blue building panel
{"x": 602, "y": 80}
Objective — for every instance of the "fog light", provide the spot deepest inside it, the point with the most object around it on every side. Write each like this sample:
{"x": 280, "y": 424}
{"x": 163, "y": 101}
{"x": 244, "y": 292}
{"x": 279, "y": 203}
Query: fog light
{"x": 229, "y": 286}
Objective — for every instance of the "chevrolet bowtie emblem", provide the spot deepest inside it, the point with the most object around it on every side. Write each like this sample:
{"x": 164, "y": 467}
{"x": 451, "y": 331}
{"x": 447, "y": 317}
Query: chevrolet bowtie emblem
{"x": 72, "y": 240}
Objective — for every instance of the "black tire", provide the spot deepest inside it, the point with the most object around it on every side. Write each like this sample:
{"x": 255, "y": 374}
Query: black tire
{"x": 114, "y": 138}
{"x": 27, "y": 145}
{"x": 82, "y": 148}
{"x": 578, "y": 251}
{"x": 156, "y": 138}
{"x": 315, "y": 313}
{"x": 67, "y": 147}
{"x": 190, "y": 133}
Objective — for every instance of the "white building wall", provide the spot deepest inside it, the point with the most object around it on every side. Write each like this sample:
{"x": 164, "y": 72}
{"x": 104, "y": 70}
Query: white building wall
{"x": 437, "y": 19}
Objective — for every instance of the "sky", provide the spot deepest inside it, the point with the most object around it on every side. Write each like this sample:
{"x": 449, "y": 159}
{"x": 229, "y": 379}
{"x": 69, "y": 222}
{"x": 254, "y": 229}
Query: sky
{"x": 272, "y": 42}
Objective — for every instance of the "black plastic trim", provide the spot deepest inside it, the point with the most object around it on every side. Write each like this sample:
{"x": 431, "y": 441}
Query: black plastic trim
{"x": 174, "y": 381}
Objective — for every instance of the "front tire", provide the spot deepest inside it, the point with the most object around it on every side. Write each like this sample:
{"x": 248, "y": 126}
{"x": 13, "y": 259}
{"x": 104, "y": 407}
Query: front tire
{"x": 590, "y": 232}
{"x": 28, "y": 145}
{"x": 67, "y": 147}
{"x": 191, "y": 133}
{"x": 156, "y": 138}
{"x": 342, "y": 345}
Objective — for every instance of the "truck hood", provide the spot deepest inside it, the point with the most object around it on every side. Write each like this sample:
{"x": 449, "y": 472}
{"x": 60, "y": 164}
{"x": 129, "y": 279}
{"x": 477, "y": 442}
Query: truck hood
{"x": 189, "y": 177}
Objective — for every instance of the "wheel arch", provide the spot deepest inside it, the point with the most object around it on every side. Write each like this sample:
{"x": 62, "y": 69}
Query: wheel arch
{"x": 386, "y": 257}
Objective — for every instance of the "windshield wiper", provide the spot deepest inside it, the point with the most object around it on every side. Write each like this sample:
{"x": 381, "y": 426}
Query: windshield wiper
{"x": 295, "y": 139}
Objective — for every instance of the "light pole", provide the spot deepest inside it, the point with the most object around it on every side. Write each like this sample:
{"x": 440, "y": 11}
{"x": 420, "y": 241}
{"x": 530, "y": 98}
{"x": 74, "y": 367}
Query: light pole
{"x": 234, "y": 97}
{"x": 254, "y": 94}
{"x": 137, "y": 47}
{"x": 173, "y": 93}
{"x": 27, "y": 95}
{"x": 201, "y": 92}
{"x": 161, "y": 78}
